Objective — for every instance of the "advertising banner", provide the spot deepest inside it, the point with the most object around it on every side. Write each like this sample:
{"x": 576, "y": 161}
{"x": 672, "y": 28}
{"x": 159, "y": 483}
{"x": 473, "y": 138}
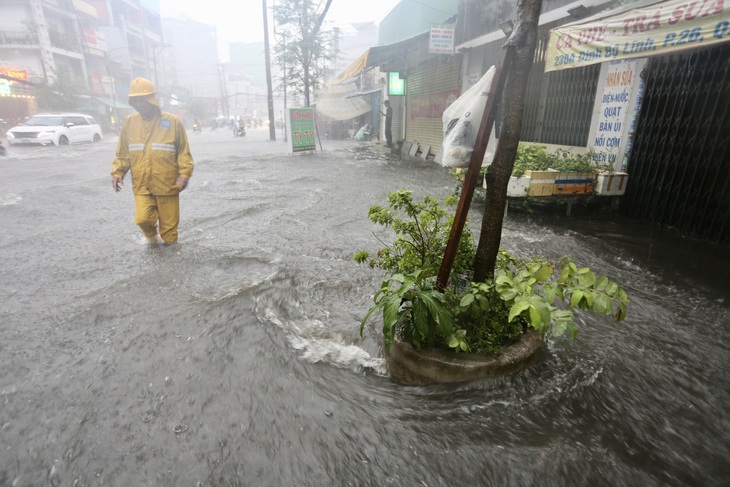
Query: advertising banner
{"x": 617, "y": 102}
{"x": 657, "y": 28}
{"x": 302, "y": 129}
{"x": 94, "y": 38}
{"x": 432, "y": 105}
{"x": 15, "y": 75}
{"x": 441, "y": 39}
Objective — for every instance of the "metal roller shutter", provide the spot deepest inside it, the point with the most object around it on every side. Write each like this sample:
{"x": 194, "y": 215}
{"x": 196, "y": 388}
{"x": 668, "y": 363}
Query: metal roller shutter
{"x": 430, "y": 88}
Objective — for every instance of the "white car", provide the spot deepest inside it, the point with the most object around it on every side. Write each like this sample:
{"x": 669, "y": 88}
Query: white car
{"x": 57, "y": 129}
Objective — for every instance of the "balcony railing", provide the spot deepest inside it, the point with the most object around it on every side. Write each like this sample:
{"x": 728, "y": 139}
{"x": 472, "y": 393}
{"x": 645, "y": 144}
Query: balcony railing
{"x": 18, "y": 38}
{"x": 64, "y": 41}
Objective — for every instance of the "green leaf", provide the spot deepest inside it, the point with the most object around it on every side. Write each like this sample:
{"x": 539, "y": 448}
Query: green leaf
{"x": 438, "y": 312}
{"x": 503, "y": 280}
{"x": 390, "y": 310}
{"x": 545, "y": 272}
{"x": 612, "y": 289}
{"x": 466, "y": 300}
{"x": 517, "y": 309}
{"x": 601, "y": 303}
{"x": 576, "y": 298}
{"x": 564, "y": 274}
{"x": 535, "y": 317}
{"x": 622, "y": 296}
{"x": 587, "y": 279}
{"x": 420, "y": 317}
{"x": 549, "y": 293}
{"x": 559, "y": 328}
{"x": 572, "y": 330}
{"x": 484, "y": 287}
{"x": 587, "y": 303}
{"x": 367, "y": 317}
{"x": 602, "y": 283}
{"x": 542, "y": 307}
{"x": 483, "y": 303}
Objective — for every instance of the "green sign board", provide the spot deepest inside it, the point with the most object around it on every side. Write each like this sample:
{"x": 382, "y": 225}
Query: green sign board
{"x": 302, "y": 130}
{"x": 396, "y": 86}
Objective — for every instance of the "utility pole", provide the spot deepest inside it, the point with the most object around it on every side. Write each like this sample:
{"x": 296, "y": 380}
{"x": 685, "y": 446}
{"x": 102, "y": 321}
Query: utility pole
{"x": 224, "y": 90}
{"x": 285, "y": 107}
{"x": 272, "y": 121}
{"x": 283, "y": 85}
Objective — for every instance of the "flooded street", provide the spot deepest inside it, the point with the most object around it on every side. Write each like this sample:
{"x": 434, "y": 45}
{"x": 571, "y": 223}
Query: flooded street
{"x": 234, "y": 357}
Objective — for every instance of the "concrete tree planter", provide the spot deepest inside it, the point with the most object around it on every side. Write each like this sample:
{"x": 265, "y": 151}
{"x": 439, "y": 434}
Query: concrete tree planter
{"x": 427, "y": 366}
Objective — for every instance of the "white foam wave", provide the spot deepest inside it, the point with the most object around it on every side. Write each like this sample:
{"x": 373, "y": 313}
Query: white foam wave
{"x": 10, "y": 199}
{"x": 333, "y": 352}
{"x": 328, "y": 349}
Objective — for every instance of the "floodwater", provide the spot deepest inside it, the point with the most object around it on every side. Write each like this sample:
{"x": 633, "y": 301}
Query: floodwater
{"x": 234, "y": 358}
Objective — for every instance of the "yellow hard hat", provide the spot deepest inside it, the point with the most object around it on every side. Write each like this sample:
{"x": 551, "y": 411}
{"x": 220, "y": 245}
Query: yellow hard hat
{"x": 141, "y": 87}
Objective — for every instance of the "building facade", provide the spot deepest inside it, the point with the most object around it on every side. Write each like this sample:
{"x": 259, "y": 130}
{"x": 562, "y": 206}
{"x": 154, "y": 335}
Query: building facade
{"x": 76, "y": 54}
{"x": 654, "y": 105}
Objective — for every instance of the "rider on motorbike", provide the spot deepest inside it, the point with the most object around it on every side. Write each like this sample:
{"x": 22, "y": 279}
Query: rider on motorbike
{"x": 239, "y": 127}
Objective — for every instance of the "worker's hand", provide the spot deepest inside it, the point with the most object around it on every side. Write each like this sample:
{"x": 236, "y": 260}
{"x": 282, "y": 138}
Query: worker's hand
{"x": 117, "y": 183}
{"x": 181, "y": 182}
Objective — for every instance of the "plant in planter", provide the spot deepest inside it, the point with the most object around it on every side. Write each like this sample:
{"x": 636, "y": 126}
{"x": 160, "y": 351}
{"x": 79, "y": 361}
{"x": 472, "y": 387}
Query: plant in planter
{"x": 536, "y": 294}
{"x": 478, "y": 317}
{"x": 537, "y": 172}
{"x": 532, "y": 157}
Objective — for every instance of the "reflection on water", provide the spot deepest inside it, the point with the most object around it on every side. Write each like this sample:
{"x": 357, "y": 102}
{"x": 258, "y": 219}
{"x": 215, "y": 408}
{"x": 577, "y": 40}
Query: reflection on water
{"x": 235, "y": 358}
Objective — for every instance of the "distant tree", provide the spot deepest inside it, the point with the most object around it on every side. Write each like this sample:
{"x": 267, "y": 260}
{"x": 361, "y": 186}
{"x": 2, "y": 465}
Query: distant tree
{"x": 302, "y": 47}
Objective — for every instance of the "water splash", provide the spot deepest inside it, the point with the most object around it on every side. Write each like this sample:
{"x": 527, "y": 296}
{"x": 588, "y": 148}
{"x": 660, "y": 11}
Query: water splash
{"x": 10, "y": 199}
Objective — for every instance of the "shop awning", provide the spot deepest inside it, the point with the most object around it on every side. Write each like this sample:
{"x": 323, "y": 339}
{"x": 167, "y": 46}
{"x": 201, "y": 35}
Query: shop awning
{"x": 377, "y": 56}
{"x": 342, "y": 102}
{"x": 651, "y": 29}
{"x": 354, "y": 69}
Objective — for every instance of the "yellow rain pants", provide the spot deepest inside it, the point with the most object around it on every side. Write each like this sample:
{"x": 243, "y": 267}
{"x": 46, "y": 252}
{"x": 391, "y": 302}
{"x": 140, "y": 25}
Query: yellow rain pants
{"x": 151, "y": 208}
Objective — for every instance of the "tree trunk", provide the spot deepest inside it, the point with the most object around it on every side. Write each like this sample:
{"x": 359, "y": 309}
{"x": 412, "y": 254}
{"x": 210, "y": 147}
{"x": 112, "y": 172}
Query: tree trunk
{"x": 523, "y": 40}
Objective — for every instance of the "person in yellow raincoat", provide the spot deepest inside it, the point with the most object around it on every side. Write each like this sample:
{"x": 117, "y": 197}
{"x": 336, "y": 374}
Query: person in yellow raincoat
{"x": 153, "y": 145}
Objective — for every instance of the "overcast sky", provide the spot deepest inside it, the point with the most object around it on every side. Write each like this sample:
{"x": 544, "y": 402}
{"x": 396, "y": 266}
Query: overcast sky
{"x": 242, "y": 20}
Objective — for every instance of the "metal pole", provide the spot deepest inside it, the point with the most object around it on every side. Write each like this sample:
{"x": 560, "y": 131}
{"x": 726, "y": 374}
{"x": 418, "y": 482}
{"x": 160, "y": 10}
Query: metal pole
{"x": 285, "y": 106}
{"x": 114, "y": 86}
{"x": 272, "y": 121}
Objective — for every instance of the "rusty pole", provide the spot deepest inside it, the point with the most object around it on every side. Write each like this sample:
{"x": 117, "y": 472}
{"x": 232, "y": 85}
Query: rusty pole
{"x": 475, "y": 164}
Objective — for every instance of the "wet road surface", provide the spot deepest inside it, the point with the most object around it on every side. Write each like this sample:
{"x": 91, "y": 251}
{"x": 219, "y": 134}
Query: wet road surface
{"x": 233, "y": 358}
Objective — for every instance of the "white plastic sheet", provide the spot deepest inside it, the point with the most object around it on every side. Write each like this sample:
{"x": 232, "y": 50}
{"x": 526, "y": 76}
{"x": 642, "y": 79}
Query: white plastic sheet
{"x": 461, "y": 122}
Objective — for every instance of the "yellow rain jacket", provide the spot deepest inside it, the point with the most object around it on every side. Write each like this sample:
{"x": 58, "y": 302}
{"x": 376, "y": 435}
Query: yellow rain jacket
{"x": 156, "y": 151}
